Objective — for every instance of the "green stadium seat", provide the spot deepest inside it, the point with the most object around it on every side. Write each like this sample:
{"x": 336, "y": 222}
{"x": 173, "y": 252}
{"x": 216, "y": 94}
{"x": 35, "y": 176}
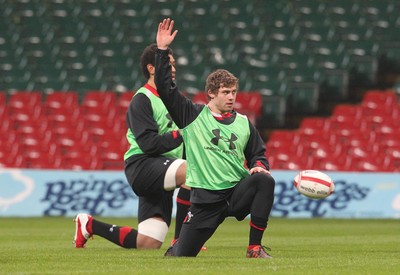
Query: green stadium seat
{"x": 10, "y": 73}
{"x": 273, "y": 112}
{"x": 303, "y": 97}
{"x": 17, "y": 85}
{"x": 51, "y": 85}
{"x": 341, "y": 7}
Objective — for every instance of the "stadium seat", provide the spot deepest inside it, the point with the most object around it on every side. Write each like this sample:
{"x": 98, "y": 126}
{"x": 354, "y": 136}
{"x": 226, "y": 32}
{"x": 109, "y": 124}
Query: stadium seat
{"x": 67, "y": 138}
{"x": 8, "y": 162}
{"x": 39, "y": 158}
{"x": 79, "y": 161}
{"x": 22, "y": 116}
{"x": 27, "y": 100}
{"x": 99, "y": 99}
{"x": 273, "y": 112}
{"x": 380, "y": 97}
{"x": 344, "y": 122}
{"x": 123, "y": 101}
{"x": 391, "y": 159}
{"x": 3, "y": 98}
{"x": 314, "y": 123}
{"x": 58, "y": 99}
{"x": 347, "y": 110}
{"x": 112, "y": 160}
{"x": 303, "y": 97}
{"x": 330, "y": 164}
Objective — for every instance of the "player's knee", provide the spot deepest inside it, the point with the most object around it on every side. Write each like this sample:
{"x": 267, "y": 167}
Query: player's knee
{"x": 175, "y": 175}
{"x": 152, "y": 233}
{"x": 146, "y": 242}
{"x": 264, "y": 180}
{"x": 180, "y": 176}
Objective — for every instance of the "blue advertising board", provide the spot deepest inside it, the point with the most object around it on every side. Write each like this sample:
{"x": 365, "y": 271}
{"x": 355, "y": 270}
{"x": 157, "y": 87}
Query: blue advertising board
{"x": 25, "y": 192}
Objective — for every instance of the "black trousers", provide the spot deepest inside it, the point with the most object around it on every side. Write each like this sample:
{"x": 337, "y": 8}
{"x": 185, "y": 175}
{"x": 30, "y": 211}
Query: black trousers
{"x": 253, "y": 195}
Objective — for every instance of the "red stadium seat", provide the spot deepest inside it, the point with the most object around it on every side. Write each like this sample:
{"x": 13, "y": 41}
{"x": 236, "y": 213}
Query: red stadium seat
{"x": 282, "y": 135}
{"x": 12, "y": 162}
{"x": 343, "y": 122}
{"x": 333, "y": 164}
{"x": 306, "y": 136}
{"x": 40, "y": 157}
{"x": 292, "y": 163}
{"x": 76, "y": 160}
{"x": 99, "y": 100}
{"x": 3, "y": 98}
{"x": 57, "y": 99}
{"x": 314, "y": 123}
{"x": 250, "y": 104}
{"x": 367, "y": 164}
{"x": 112, "y": 160}
{"x": 123, "y": 102}
{"x": 8, "y": 153}
{"x": 383, "y": 98}
{"x": 61, "y": 102}
{"x": 347, "y": 110}
{"x": 391, "y": 160}
{"x": 26, "y": 101}
{"x": 371, "y": 108}
{"x": 65, "y": 118}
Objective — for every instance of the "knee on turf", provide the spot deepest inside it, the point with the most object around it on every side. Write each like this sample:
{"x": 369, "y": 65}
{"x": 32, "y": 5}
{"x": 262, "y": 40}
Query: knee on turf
{"x": 152, "y": 233}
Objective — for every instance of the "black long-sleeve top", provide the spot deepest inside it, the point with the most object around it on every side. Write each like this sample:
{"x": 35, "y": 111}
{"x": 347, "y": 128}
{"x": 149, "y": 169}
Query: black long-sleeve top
{"x": 141, "y": 122}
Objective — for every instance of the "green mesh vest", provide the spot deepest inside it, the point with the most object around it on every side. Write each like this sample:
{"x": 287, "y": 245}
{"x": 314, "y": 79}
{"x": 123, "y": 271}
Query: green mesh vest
{"x": 215, "y": 152}
{"x": 165, "y": 125}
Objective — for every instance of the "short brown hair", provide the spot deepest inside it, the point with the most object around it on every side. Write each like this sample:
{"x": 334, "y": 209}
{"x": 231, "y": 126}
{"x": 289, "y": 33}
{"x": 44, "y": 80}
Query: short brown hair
{"x": 220, "y": 78}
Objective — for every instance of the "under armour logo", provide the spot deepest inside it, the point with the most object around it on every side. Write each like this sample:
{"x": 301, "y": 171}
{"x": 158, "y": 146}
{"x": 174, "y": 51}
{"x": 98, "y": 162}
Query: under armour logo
{"x": 217, "y": 133}
{"x": 166, "y": 162}
{"x": 169, "y": 125}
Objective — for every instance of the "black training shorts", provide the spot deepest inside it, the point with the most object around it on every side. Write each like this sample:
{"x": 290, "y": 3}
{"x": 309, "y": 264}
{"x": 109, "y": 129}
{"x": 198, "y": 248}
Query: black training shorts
{"x": 146, "y": 176}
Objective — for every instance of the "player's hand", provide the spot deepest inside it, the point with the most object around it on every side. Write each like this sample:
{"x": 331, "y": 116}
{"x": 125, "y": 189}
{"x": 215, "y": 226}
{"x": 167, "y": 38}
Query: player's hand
{"x": 165, "y": 35}
{"x": 259, "y": 170}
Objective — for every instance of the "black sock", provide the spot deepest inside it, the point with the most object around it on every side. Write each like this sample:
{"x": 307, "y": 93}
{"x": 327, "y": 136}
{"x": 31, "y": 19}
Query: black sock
{"x": 257, "y": 228}
{"x": 122, "y": 236}
{"x": 182, "y": 206}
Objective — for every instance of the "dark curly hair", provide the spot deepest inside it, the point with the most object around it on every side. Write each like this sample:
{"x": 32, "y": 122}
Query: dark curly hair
{"x": 148, "y": 57}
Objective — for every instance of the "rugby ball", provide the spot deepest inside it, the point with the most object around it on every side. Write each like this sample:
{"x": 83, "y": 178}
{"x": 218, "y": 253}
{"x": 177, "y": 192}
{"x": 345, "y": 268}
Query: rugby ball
{"x": 314, "y": 184}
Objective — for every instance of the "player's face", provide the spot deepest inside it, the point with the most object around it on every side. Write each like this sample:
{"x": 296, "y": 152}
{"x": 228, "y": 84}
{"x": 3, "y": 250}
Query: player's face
{"x": 225, "y": 98}
{"x": 172, "y": 62}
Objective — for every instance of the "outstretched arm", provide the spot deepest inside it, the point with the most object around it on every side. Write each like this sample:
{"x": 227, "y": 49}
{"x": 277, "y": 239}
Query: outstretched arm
{"x": 165, "y": 36}
{"x": 181, "y": 109}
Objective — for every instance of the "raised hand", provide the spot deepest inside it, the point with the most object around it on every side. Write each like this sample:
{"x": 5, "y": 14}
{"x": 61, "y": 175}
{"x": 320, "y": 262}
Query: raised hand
{"x": 165, "y": 35}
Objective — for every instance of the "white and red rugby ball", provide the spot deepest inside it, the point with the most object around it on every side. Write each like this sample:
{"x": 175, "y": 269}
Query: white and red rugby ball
{"x": 314, "y": 184}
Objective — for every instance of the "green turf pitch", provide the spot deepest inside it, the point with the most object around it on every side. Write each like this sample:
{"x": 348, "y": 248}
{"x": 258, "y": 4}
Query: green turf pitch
{"x": 299, "y": 246}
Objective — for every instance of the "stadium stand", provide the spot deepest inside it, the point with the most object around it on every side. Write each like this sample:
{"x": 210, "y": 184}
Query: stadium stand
{"x": 358, "y": 137}
{"x": 302, "y": 64}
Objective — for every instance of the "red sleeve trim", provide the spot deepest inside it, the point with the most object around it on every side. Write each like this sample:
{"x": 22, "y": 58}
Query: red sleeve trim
{"x": 175, "y": 134}
{"x": 259, "y": 164}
